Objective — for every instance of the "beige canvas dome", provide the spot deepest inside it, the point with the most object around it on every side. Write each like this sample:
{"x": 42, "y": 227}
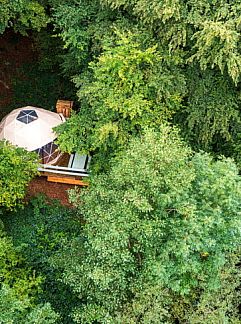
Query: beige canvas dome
{"x": 31, "y": 128}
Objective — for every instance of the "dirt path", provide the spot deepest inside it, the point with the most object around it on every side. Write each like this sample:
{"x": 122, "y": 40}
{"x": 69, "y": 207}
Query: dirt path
{"x": 50, "y": 189}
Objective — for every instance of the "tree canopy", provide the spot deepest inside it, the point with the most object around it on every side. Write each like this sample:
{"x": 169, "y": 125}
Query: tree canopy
{"x": 22, "y": 15}
{"x": 194, "y": 64}
{"x": 156, "y": 236}
{"x": 130, "y": 88}
{"x": 164, "y": 220}
{"x": 19, "y": 286}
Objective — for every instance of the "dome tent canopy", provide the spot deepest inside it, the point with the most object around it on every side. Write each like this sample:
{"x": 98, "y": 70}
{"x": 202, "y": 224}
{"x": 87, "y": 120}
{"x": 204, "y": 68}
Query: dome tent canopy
{"x": 31, "y": 128}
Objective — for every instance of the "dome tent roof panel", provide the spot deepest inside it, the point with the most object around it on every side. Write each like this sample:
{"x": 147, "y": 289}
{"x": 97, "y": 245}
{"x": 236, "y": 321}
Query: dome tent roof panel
{"x": 49, "y": 153}
{"x": 34, "y": 135}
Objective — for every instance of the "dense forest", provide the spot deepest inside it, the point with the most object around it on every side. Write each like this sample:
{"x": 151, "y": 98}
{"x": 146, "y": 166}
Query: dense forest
{"x": 156, "y": 236}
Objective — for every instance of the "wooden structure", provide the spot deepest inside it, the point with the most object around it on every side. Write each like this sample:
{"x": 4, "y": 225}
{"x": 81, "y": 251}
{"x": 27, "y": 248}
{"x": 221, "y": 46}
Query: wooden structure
{"x": 64, "y": 107}
{"x": 77, "y": 167}
{"x": 74, "y": 173}
{"x": 68, "y": 180}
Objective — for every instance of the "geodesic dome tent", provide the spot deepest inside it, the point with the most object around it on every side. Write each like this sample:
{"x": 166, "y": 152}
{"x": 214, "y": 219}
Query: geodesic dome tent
{"x": 31, "y": 128}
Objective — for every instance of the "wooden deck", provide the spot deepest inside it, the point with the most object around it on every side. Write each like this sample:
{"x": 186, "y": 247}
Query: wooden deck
{"x": 64, "y": 171}
{"x": 63, "y": 160}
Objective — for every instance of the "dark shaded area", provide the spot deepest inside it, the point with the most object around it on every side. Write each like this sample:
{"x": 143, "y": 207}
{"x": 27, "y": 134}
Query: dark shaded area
{"x": 30, "y": 74}
{"x": 15, "y": 50}
{"x": 39, "y": 231}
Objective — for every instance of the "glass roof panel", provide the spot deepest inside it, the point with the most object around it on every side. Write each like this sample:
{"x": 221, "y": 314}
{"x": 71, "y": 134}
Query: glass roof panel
{"x": 27, "y": 116}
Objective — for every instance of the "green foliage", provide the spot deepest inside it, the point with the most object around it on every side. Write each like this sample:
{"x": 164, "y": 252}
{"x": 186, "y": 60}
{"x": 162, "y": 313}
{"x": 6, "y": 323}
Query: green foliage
{"x": 209, "y": 29}
{"x": 209, "y": 121}
{"x": 217, "y": 45}
{"x": 17, "y": 168}
{"x": 12, "y": 272}
{"x": 199, "y": 36}
{"x": 40, "y": 230}
{"x": 82, "y": 27}
{"x": 49, "y": 48}
{"x": 155, "y": 304}
{"x": 159, "y": 237}
{"x": 41, "y": 87}
{"x": 18, "y": 311}
{"x": 160, "y": 218}
{"x": 22, "y": 15}
{"x": 131, "y": 87}
{"x": 19, "y": 286}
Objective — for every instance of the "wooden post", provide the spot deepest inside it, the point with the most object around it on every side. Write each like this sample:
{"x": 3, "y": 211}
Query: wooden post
{"x": 64, "y": 107}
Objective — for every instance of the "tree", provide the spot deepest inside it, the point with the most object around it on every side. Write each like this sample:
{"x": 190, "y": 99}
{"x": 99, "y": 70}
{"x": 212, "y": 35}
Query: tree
{"x": 202, "y": 38}
{"x": 17, "y": 168}
{"x": 130, "y": 88}
{"x": 22, "y": 15}
{"x": 209, "y": 121}
{"x": 19, "y": 287}
{"x": 82, "y": 29}
{"x": 39, "y": 230}
{"x": 162, "y": 222}
{"x": 209, "y": 30}
{"x": 19, "y": 311}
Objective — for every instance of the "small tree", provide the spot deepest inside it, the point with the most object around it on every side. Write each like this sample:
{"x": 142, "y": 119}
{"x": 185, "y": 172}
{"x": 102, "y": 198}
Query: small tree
{"x": 17, "y": 168}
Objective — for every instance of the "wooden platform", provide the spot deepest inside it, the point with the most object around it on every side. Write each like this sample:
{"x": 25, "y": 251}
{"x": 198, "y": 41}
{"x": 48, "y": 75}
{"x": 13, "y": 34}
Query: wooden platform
{"x": 69, "y": 169}
{"x": 68, "y": 180}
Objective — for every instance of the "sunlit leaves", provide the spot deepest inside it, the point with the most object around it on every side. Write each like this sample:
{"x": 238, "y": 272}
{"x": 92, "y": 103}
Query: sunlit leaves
{"x": 217, "y": 44}
{"x": 160, "y": 218}
{"x": 127, "y": 89}
{"x": 17, "y": 168}
{"x": 22, "y": 15}
{"x": 210, "y": 29}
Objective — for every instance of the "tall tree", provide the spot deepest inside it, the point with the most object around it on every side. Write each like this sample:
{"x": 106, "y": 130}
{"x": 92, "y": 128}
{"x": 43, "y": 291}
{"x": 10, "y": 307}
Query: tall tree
{"x": 211, "y": 117}
{"x": 41, "y": 227}
{"x": 201, "y": 39}
{"x": 162, "y": 222}
{"x": 129, "y": 88}
{"x": 19, "y": 287}
{"x": 210, "y": 30}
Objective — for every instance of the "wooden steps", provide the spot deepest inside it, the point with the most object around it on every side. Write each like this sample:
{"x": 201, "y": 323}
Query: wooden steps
{"x": 68, "y": 180}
